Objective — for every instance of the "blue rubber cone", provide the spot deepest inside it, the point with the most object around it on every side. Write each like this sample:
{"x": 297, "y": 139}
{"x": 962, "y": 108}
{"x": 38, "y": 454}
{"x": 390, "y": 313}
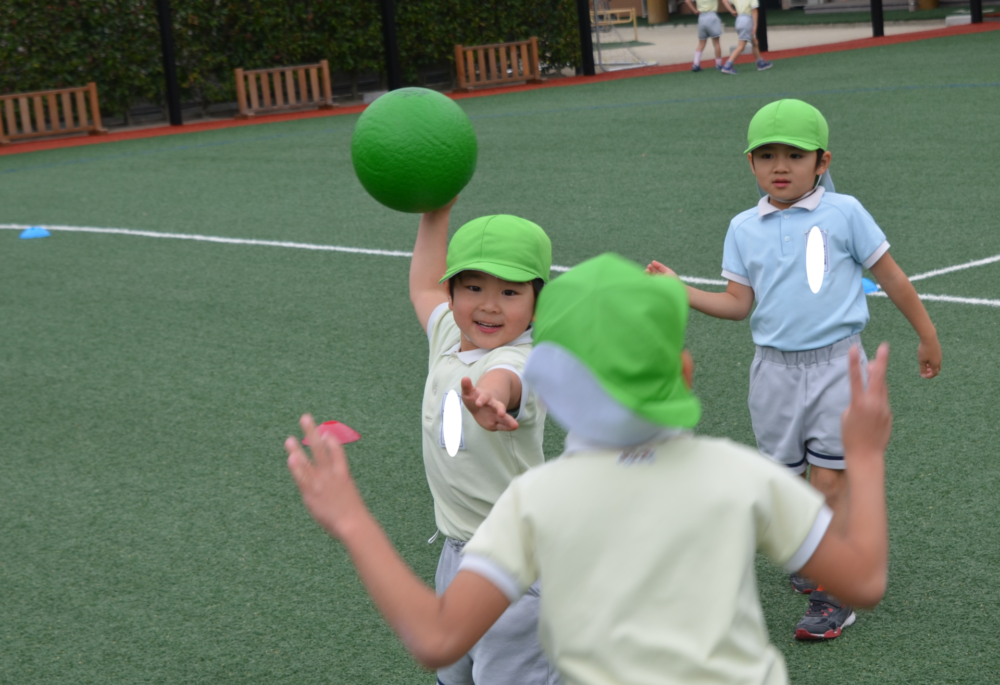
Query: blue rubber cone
{"x": 869, "y": 286}
{"x": 34, "y": 232}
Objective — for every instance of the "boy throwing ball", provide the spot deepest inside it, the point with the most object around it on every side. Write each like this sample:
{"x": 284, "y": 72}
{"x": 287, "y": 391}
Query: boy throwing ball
{"x": 475, "y": 298}
{"x": 800, "y": 253}
{"x": 647, "y": 552}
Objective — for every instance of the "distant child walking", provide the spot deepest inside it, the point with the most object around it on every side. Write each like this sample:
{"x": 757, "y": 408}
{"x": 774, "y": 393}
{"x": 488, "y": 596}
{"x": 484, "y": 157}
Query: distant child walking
{"x": 709, "y": 26}
{"x": 746, "y": 31}
{"x": 800, "y": 254}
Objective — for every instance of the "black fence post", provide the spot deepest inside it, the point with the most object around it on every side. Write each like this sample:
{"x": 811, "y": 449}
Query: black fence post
{"x": 762, "y": 28}
{"x": 976, "y": 10}
{"x": 878, "y": 25}
{"x": 393, "y": 72}
{"x": 169, "y": 63}
{"x": 586, "y": 45}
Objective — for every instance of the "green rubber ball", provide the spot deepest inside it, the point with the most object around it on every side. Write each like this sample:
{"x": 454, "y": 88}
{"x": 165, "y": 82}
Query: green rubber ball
{"x": 414, "y": 149}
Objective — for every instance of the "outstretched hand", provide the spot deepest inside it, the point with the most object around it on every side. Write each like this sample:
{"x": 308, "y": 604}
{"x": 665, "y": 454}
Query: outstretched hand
{"x": 867, "y": 422}
{"x": 488, "y": 411}
{"x": 328, "y": 491}
{"x": 656, "y": 268}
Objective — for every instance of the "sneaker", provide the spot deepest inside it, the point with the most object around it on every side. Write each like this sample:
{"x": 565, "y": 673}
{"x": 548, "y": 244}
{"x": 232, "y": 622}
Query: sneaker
{"x": 763, "y": 65}
{"x": 726, "y": 69}
{"x": 718, "y": 67}
{"x": 826, "y": 618}
{"x": 801, "y": 584}
{"x": 696, "y": 67}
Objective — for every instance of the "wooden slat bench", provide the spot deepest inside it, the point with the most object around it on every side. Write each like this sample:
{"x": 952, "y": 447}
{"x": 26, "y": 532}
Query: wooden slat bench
{"x": 281, "y": 88}
{"x": 613, "y": 17}
{"x": 498, "y": 64}
{"x": 50, "y": 113}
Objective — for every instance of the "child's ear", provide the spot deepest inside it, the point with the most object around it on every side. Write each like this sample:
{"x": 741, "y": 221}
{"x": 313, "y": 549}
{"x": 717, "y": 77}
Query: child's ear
{"x": 750, "y": 159}
{"x": 687, "y": 368}
{"x": 823, "y": 163}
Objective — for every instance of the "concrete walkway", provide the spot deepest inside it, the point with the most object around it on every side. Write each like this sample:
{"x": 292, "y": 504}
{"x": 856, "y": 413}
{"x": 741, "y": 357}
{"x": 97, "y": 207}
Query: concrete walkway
{"x": 672, "y": 44}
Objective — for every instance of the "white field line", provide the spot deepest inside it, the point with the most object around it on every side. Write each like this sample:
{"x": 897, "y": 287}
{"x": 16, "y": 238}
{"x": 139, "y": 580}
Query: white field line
{"x": 957, "y": 267}
{"x": 272, "y": 243}
{"x": 400, "y": 253}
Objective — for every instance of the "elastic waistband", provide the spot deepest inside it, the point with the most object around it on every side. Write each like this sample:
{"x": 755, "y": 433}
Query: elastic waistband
{"x": 821, "y": 355}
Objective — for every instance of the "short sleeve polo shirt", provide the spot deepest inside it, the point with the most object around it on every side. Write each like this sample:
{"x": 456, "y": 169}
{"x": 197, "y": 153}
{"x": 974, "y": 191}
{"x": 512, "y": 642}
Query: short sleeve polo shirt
{"x": 466, "y": 486}
{"x": 707, "y": 5}
{"x": 745, "y": 6}
{"x": 647, "y": 558}
{"x": 765, "y": 249}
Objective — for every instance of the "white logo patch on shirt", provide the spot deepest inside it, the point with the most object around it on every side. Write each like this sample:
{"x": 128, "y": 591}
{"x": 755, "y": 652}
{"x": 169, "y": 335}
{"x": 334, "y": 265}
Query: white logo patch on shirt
{"x": 452, "y": 433}
{"x": 817, "y": 257}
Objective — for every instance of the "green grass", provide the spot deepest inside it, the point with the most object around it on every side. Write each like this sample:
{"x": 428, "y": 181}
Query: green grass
{"x": 150, "y": 531}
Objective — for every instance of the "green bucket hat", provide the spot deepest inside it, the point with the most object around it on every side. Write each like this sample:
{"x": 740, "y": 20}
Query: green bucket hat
{"x": 505, "y": 246}
{"x": 791, "y": 122}
{"x": 625, "y": 328}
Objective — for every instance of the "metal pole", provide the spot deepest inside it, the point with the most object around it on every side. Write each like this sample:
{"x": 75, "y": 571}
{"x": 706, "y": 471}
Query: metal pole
{"x": 169, "y": 63}
{"x": 586, "y": 46}
{"x": 878, "y": 26}
{"x": 393, "y": 72}
{"x": 976, "y": 9}
{"x": 761, "y": 28}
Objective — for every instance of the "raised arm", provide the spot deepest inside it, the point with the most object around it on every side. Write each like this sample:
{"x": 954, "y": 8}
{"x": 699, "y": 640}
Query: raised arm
{"x": 735, "y": 303}
{"x": 853, "y": 565}
{"x": 427, "y": 266}
{"x": 897, "y": 286}
{"x": 437, "y": 631}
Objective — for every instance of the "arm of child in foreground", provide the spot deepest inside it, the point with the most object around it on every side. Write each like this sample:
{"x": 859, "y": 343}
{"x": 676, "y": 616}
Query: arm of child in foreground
{"x": 853, "y": 565}
{"x": 734, "y": 304}
{"x": 497, "y": 392}
{"x": 897, "y": 286}
{"x": 427, "y": 266}
{"x": 436, "y": 630}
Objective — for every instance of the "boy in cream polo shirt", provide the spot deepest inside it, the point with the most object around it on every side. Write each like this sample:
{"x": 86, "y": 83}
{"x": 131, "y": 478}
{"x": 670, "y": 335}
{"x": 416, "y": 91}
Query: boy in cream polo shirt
{"x": 475, "y": 298}
{"x": 644, "y": 534}
{"x": 709, "y": 26}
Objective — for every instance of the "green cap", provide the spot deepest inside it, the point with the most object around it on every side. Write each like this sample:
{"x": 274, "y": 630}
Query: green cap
{"x": 505, "y": 246}
{"x": 627, "y": 329}
{"x": 791, "y": 122}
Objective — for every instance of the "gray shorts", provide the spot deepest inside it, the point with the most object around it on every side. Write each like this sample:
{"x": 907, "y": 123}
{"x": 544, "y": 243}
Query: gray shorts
{"x": 744, "y": 27}
{"x": 709, "y": 25}
{"x": 509, "y": 653}
{"x": 796, "y": 401}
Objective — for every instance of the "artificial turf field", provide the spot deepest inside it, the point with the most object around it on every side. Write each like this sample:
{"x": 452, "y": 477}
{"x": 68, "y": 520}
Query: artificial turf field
{"x": 150, "y": 530}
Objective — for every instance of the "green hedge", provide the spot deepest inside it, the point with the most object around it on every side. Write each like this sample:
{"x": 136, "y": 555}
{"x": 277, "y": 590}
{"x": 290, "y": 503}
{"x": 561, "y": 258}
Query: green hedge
{"x": 117, "y": 43}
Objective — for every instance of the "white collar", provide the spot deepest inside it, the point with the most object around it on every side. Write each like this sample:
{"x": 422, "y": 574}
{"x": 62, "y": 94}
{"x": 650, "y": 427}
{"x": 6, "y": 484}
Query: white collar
{"x": 809, "y": 202}
{"x": 473, "y": 356}
{"x": 578, "y": 443}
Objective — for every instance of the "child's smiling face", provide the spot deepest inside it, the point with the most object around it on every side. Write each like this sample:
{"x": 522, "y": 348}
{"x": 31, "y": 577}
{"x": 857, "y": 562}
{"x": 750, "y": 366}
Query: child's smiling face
{"x": 786, "y": 173}
{"x": 489, "y": 311}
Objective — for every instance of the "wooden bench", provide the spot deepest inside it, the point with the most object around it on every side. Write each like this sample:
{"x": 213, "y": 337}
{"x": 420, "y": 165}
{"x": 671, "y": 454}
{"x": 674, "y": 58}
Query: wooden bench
{"x": 614, "y": 17}
{"x": 497, "y": 64}
{"x": 50, "y": 113}
{"x": 281, "y": 88}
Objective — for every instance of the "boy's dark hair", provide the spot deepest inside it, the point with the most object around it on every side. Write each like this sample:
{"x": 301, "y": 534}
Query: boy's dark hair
{"x": 536, "y": 285}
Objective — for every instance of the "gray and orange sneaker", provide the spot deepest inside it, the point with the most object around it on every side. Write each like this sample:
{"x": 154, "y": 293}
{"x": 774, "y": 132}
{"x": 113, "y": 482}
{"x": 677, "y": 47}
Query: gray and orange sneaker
{"x": 801, "y": 584}
{"x": 826, "y": 619}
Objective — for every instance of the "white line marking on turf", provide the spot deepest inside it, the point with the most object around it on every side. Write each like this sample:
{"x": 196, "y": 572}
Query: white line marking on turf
{"x": 272, "y": 243}
{"x": 957, "y": 267}
{"x": 947, "y": 298}
{"x": 400, "y": 253}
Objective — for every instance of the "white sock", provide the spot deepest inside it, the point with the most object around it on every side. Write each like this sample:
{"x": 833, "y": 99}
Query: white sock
{"x": 697, "y": 57}
{"x": 718, "y": 61}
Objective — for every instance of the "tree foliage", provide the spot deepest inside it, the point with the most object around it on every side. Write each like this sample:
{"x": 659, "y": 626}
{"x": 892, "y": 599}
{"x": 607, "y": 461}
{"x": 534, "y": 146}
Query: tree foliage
{"x": 117, "y": 42}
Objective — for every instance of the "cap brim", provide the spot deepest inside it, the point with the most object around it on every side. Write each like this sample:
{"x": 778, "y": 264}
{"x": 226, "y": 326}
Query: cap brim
{"x": 794, "y": 142}
{"x": 504, "y": 272}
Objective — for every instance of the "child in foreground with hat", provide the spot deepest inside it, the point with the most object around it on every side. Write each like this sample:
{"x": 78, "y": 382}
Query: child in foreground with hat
{"x": 644, "y": 534}
{"x": 475, "y": 298}
{"x": 807, "y": 318}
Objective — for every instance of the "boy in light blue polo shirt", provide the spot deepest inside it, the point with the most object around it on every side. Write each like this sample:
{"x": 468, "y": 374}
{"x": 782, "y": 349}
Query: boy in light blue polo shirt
{"x": 800, "y": 253}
